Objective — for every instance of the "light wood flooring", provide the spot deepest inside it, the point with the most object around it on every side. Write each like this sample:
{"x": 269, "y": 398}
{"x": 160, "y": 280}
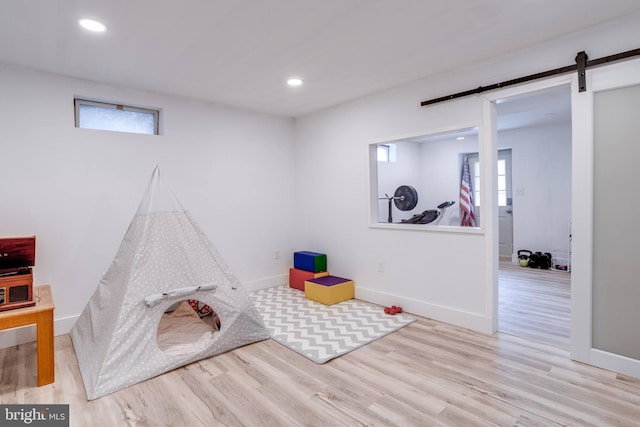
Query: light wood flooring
{"x": 535, "y": 303}
{"x": 426, "y": 374}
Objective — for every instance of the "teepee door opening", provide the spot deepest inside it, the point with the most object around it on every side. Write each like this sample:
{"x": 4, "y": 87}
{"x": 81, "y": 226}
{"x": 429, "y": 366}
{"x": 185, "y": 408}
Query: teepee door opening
{"x": 187, "y": 327}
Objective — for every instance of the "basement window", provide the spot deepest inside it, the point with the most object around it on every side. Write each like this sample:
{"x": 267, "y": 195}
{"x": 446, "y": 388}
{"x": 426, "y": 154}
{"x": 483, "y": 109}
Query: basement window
{"x": 387, "y": 152}
{"x": 115, "y": 117}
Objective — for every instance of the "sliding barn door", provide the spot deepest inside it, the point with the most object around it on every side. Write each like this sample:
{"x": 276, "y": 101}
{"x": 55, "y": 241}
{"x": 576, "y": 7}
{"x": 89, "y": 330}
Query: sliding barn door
{"x": 606, "y": 220}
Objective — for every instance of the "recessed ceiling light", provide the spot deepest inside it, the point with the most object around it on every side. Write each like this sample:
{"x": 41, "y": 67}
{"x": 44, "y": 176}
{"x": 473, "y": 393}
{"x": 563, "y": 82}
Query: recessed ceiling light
{"x": 294, "y": 82}
{"x": 460, "y": 138}
{"x": 92, "y": 25}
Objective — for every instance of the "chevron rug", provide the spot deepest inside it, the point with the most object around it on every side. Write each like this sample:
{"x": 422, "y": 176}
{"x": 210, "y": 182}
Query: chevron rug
{"x": 320, "y": 332}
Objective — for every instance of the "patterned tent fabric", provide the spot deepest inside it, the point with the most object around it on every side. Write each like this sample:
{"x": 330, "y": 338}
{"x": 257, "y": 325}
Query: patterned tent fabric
{"x": 163, "y": 249}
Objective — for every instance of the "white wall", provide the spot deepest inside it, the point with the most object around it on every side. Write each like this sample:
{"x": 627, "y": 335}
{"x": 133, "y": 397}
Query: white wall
{"x": 541, "y": 166}
{"x": 441, "y": 274}
{"x": 422, "y": 269}
{"x": 77, "y": 190}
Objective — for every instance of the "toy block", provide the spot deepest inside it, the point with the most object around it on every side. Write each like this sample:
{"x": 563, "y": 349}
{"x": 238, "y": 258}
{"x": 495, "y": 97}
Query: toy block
{"x": 297, "y": 277}
{"x": 329, "y": 290}
{"x": 310, "y": 261}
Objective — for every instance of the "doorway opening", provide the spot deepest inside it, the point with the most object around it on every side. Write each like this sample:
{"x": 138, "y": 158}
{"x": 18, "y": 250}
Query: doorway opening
{"x": 505, "y": 222}
{"x": 534, "y": 194}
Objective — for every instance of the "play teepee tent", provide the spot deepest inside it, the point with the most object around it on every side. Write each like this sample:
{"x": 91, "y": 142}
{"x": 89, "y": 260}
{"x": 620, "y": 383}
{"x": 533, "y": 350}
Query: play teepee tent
{"x": 164, "y": 259}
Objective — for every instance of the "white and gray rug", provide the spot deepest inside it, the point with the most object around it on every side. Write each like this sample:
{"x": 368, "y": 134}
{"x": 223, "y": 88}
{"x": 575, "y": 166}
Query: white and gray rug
{"x": 320, "y": 332}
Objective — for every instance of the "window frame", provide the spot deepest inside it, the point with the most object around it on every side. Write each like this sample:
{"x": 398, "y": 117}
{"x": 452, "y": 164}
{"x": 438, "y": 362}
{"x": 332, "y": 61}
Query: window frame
{"x": 474, "y": 162}
{"x": 77, "y": 102}
{"x": 374, "y": 189}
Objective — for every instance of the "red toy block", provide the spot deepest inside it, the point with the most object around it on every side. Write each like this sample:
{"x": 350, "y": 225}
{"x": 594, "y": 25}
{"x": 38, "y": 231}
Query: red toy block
{"x": 297, "y": 277}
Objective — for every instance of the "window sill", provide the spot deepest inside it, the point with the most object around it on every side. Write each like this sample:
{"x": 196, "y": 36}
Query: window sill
{"x": 426, "y": 228}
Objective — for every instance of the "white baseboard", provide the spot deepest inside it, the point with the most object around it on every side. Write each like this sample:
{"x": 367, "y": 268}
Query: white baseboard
{"x": 17, "y": 336}
{"x": 267, "y": 282}
{"x": 61, "y": 326}
{"x": 473, "y": 321}
{"x": 476, "y": 322}
{"x": 27, "y": 334}
{"x": 615, "y": 362}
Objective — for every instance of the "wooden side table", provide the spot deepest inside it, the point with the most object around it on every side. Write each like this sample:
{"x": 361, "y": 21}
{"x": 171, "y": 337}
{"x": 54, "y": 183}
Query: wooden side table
{"x": 41, "y": 315}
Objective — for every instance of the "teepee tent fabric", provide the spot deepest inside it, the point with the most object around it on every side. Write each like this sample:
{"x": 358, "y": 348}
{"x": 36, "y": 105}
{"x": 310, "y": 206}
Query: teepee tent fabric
{"x": 164, "y": 258}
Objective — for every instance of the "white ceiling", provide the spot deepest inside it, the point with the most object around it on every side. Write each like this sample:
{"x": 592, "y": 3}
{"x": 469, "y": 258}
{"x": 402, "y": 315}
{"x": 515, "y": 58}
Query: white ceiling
{"x": 543, "y": 107}
{"x": 240, "y": 52}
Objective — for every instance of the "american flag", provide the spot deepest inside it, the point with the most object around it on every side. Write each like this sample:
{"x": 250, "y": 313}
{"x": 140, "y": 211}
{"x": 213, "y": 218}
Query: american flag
{"x": 467, "y": 209}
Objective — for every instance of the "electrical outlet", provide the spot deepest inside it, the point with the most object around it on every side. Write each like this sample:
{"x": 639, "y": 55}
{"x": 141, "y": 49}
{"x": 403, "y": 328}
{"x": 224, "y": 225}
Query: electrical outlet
{"x": 380, "y": 266}
{"x": 276, "y": 254}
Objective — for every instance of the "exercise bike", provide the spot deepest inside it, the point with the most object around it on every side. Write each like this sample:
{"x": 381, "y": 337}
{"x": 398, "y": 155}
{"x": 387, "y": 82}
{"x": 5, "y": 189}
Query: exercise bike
{"x": 430, "y": 216}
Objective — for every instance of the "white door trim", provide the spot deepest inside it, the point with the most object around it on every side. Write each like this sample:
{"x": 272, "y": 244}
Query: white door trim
{"x": 489, "y": 178}
{"x": 581, "y": 220}
{"x": 607, "y": 77}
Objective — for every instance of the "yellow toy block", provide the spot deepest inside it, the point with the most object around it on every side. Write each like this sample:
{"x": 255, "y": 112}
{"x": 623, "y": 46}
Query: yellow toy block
{"x": 329, "y": 290}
